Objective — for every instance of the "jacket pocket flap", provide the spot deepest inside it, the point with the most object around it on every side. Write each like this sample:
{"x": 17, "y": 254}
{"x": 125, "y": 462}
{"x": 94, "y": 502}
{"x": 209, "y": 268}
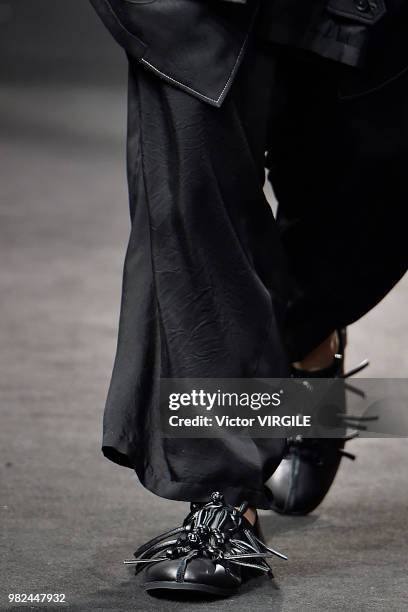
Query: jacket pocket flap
{"x": 360, "y": 11}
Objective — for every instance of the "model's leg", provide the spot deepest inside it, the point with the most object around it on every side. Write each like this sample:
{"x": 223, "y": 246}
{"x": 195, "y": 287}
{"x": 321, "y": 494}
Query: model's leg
{"x": 204, "y": 281}
{"x": 342, "y": 222}
{"x": 204, "y": 296}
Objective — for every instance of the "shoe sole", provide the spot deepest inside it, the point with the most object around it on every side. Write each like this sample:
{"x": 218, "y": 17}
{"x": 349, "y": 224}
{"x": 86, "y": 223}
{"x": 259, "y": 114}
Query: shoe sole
{"x": 188, "y": 586}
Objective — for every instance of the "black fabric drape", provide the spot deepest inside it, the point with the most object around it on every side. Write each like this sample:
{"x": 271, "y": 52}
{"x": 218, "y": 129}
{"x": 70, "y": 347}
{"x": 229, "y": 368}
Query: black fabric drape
{"x": 204, "y": 290}
{"x": 213, "y": 286}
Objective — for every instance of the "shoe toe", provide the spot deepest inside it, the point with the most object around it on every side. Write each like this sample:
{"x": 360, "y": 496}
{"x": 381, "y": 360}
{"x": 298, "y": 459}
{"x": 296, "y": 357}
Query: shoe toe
{"x": 299, "y": 486}
{"x": 199, "y": 574}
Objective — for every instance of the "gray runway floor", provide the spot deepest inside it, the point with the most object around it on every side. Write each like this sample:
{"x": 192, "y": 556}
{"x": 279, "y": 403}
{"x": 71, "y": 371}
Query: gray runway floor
{"x": 68, "y": 516}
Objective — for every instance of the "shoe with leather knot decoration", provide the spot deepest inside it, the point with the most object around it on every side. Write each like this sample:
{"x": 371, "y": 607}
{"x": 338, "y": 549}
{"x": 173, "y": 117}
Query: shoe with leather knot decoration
{"x": 309, "y": 467}
{"x": 212, "y": 552}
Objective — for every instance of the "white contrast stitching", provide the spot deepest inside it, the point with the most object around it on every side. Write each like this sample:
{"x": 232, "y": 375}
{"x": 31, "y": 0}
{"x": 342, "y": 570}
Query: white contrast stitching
{"x": 173, "y": 80}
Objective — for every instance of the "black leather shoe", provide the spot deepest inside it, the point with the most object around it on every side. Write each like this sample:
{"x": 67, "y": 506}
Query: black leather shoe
{"x": 308, "y": 469}
{"x": 209, "y": 553}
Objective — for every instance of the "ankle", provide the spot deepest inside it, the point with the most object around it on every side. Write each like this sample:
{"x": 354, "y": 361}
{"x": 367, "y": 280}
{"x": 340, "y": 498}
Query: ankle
{"x": 251, "y": 515}
{"x": 322, "y": 356}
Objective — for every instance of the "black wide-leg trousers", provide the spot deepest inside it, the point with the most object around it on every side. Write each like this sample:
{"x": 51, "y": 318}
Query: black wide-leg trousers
{"x": 214, "y": 286}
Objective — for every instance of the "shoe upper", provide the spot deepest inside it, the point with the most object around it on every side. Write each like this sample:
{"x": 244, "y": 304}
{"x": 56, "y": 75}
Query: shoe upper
{"x": 211, "y": 549}
{"x": 310, "y": 465}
